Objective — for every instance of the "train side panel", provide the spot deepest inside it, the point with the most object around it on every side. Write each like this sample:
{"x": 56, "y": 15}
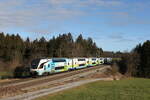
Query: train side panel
{"x": 94, "y": 62}
{"x": 101, "y": 60}
{"x": 81, "y": 63}
{"x": 55, "y": 65}
{"x": 60, "y": 64}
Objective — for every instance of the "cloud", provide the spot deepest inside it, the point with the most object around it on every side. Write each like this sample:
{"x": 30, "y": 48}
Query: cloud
{"x": 61, "y": 2}
{"x": 119, "y": 41}
{"x": 98, "y": 3}
{"x": 50, "y": 15}
{"x": 29, "y": 16}
{"x": 120, "y": 37}
{"x": 26, "y": 14}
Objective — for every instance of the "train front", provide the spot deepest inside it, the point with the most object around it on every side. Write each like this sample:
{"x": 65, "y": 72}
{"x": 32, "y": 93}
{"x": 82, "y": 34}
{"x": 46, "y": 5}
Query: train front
{"x": 37, "y": 67}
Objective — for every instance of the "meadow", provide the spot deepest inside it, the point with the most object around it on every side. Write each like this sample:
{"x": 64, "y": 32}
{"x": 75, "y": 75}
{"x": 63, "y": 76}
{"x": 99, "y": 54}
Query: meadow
{"x": 127, "y": 89}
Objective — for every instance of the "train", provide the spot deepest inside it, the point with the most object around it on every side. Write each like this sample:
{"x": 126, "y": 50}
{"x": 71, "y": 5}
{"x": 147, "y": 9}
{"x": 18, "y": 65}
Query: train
{"x": 46, "y": 66}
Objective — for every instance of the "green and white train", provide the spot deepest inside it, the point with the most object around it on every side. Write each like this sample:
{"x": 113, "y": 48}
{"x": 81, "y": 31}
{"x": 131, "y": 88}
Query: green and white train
{"x": 46, "y": 66}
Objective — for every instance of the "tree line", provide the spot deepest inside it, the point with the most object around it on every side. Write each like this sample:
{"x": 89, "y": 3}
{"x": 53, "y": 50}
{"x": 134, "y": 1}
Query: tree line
{"x": 14, "y": 51}
{"x": 137, "y": 62}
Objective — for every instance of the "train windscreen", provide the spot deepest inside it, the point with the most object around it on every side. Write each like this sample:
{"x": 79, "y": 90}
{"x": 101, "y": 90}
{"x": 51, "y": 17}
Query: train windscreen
{"x": 34, "y": 63}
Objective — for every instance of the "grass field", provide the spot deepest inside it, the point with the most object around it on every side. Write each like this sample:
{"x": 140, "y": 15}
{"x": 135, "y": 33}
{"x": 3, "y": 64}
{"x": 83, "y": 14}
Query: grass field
{"x": 128, "y": 89}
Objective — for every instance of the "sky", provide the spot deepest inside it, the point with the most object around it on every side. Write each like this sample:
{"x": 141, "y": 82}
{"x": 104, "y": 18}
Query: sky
{"x": 115, "y": 25}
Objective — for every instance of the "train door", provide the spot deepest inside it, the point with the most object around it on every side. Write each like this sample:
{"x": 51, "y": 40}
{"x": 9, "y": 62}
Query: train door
{"x": 69, "y": 64}
{"x": 75, "y": 63}
{"x": 90, "y": 62}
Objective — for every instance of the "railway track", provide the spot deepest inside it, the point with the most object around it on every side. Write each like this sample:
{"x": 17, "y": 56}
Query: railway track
{"x": 26, "y": 85}
{"x": 30, "y": 81}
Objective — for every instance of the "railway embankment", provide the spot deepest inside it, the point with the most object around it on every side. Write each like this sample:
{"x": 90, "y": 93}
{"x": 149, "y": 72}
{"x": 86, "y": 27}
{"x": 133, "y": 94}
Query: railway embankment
{"x": 33, "y": 88}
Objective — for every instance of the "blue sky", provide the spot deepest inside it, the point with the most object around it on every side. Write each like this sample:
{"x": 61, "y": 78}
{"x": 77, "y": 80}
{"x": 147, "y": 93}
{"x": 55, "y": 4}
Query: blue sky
{"x": 115, "y": 25}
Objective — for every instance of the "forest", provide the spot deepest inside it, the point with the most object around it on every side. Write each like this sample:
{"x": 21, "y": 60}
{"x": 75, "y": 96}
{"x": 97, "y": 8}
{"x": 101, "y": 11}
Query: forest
{"x": 14, "y": 51}
{"x": 136, "y": 63}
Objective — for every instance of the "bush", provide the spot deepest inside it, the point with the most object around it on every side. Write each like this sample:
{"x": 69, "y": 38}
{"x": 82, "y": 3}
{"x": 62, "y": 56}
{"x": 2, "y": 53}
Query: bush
{"x": 21, "y": 72}
{"x": 129, "y": 63}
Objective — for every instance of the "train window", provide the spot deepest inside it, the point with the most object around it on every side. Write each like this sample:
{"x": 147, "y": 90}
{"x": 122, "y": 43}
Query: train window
{"x": 48, "y": 65}
{"x": 81, "y": 59}
{"x": 81, "y": 64}
{"x": 93, "y": 59}
{"x": 59, "y": 60}
{"x": 93, "y": 63}
{"x": 59, "y": 68}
